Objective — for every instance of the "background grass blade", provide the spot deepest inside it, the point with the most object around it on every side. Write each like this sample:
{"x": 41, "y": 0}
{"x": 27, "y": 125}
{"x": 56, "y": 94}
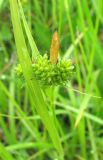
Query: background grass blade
{"x": 4, "y": 154}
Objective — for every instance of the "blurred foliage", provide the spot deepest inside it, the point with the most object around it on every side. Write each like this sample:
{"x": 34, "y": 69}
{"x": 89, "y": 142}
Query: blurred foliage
{"x": 72, "y": 19}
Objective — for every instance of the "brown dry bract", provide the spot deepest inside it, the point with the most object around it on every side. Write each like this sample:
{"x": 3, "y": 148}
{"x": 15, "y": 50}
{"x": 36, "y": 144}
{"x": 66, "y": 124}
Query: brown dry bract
{"x": 54, "y": 48}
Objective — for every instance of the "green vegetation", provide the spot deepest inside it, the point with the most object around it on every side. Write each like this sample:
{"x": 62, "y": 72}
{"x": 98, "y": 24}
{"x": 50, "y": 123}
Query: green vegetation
{"x": 49, "y": 74}
{"x": 61, "y": 117}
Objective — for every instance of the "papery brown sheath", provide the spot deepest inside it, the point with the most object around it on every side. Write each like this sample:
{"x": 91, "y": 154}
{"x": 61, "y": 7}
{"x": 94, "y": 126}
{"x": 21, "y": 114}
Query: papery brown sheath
{"x": 54, "y": 48}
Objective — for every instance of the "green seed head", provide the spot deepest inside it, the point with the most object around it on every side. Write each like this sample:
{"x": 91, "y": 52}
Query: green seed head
{"x": 50, "y": 74}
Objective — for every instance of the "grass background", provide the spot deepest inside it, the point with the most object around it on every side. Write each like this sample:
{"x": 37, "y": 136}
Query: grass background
{"x": 77, "y": 129}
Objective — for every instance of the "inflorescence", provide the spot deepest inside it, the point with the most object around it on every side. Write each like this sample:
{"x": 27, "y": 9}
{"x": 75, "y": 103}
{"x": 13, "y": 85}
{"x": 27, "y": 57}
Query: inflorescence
{"x": 50, "y": 74}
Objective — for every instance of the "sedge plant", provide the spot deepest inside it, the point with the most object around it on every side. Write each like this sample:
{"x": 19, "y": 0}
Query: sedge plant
{"x": 43, "y": 71}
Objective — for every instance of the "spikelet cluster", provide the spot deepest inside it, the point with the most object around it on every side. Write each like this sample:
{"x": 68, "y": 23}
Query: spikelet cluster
{"x": 50, "y": 74}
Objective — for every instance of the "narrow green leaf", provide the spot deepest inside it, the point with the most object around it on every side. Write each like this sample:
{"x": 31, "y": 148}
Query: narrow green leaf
{"x": 4, "y": 154}
{"x": 34, "y": 48}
